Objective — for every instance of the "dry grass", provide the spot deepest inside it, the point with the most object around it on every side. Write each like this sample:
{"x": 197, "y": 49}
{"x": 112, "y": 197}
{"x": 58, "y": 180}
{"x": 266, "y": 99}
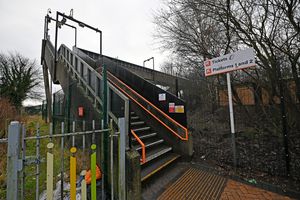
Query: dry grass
{"x": 30, "y": 122}
{"x": 3, "y": 150}
{"x": 7, "y": 113}
{"x": 83, "y": 159}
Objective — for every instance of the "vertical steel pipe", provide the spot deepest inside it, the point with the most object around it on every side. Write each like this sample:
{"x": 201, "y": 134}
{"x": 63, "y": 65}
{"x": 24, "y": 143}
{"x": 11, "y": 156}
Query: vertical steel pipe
{"x": 93, "y": 134}
{"x": 112, "y": 161}
{"x": 23, "y": 161}
{"x": 73, "y": 137}
{"x": 62, "y": 163}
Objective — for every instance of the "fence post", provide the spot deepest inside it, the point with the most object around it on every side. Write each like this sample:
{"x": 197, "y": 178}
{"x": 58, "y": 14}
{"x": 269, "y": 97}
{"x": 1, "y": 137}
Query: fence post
{"x": 83, "y": 186}
{"x": 13, "y": 163}
{"x": 122, "y": 164}
{"x": 37, "y": 187}
{"x": 105, "y": 124}
{"x": 111, "y": 159}
{"x": 23, "y": 161}
{"x": 62, "y": 162}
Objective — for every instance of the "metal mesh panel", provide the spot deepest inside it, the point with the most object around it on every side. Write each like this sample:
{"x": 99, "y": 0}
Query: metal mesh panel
{"x": 259, "y": 131}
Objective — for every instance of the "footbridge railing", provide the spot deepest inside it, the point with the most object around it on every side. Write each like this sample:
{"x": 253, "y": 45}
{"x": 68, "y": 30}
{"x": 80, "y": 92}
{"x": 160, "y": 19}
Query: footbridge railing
{"x": 92, "y": 84}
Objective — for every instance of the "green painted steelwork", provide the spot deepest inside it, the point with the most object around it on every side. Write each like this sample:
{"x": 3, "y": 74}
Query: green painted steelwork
{"x": 105, "y": 124}
{"x": 93, "y": 172}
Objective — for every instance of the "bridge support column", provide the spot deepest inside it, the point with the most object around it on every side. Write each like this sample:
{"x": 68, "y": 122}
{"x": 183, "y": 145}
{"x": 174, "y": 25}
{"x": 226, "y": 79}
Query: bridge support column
{"x": 133, "y": 175}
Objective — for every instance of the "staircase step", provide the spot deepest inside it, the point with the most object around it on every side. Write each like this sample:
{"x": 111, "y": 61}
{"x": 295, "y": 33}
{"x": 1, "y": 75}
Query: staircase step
{"x": 150, "y": 144}
{"x": 158, "y": 165}
{"x": 145, "y": 136}
{"x": 137, "y": 123}
{"x": 134, "y": 117}
{"x": 141, "y": 129}
{"x": 156, "y": 152}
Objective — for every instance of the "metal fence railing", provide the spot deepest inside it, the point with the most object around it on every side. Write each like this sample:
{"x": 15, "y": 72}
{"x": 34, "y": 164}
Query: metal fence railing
{"x": 260, "y": 144}
{"x": 57, "y": 154}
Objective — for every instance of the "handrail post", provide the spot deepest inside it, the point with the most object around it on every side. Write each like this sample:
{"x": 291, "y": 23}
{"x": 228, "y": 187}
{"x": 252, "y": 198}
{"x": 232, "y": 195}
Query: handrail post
{"x": 143, "y": 159}
{"x": 55, "y": 52}
{"x": 128, "y": 135}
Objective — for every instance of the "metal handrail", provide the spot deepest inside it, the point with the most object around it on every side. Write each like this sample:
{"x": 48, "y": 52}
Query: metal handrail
{"x": 91, "y": 90}
{"x": 143, "y": 159}
{"x": 114, "y": 87}
{"x": 68, "y": 134}
{"x": 149, "y": 112}
{"x": 83, "y": 81}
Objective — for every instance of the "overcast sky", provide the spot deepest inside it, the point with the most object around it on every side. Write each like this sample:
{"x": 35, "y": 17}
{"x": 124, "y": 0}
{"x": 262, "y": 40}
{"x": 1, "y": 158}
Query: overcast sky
{"x": 127, "y": 27}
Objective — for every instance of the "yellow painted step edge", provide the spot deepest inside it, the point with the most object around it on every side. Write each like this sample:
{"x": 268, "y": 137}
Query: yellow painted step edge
{"x": 159, "y": 168}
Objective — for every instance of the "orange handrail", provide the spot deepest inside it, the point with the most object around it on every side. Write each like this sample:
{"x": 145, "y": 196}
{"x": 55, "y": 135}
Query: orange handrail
{"x": 143, "y": 159}
{"x": 168, "y": 117}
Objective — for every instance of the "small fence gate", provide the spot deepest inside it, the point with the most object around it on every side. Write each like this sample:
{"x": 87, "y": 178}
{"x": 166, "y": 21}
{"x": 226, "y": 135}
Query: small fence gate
{"x": 17, "y": 160}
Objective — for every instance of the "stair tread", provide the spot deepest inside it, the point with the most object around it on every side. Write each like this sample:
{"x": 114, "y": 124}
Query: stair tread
{"x": 141, "y": 129}
{"x": 156, "y": 152}
{"x": 158, "y": 165}
{"x": 145, "y": 136}
{"x": 137, "y": 123}
{"x": 149, "y": 143}
{"x": 134, "y": 117}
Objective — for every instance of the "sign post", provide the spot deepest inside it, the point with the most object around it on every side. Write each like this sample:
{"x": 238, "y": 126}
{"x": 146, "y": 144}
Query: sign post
{"x": 225, "y": 64}
{"x": 231, "y": 118}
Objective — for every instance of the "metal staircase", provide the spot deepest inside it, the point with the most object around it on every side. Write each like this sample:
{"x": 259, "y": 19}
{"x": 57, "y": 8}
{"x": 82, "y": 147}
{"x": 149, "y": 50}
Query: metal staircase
{"x": 159, "y": 153}
{"x": 155, "y": 152}
{"x": 146, "y": 138}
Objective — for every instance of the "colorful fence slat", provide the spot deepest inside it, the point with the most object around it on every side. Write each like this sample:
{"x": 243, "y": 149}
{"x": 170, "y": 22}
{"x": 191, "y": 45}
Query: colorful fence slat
{"x": 50, "y": 171}
{"x": 93, "y": 172}
{"x": 83, "y": 186}
{"x": 73, "y": 174}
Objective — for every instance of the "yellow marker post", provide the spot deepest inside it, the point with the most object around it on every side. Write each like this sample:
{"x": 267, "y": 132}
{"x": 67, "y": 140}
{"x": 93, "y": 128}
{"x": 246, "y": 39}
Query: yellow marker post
{"x": 93, "y": 172}
{"x": 50, "y": 171}
{"x": 73, "y": 174}
{"x": 83, "y": 186}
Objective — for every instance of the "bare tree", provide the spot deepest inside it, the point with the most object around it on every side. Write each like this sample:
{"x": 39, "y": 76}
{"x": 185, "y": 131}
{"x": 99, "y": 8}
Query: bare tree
{"x": 20, "y": 79}
{"x": 175, "y": 66}
{"x": 199, "y": 29}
